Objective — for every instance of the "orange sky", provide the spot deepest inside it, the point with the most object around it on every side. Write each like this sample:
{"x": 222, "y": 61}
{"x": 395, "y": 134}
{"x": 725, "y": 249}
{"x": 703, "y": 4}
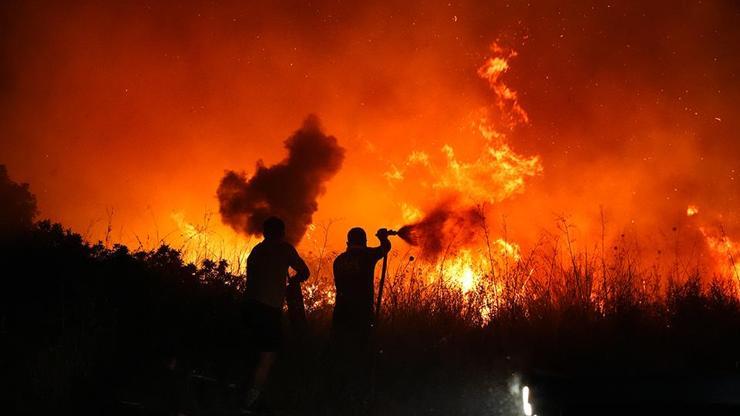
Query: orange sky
{"x": 140, "y": 107}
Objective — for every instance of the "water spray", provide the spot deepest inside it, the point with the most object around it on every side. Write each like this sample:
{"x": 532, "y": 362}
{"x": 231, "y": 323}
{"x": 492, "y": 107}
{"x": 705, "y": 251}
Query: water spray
{"x": 406, "y": 233}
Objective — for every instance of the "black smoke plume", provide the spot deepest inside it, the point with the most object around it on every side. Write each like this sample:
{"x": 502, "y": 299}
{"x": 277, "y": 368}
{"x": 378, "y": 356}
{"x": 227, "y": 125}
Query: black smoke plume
{"x": 288, "y": 189}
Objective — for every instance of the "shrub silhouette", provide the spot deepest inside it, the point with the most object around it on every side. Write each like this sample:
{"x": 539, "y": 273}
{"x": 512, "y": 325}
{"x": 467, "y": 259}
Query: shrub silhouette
{"x": 86, "y": 327}
{"x": 18, "y": 207}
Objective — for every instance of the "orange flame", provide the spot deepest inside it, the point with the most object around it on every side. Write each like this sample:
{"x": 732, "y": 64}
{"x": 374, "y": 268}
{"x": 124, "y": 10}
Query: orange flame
{"x": 726, "y": 253}
{"x": 200, "y": 243}
{"x": 496, "y": 174}
{"x": 506, "y": 98}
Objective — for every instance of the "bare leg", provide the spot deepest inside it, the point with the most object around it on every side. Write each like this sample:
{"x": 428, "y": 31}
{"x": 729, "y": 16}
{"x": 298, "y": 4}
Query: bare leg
{"x": 264, "y": 365}
{"x": 261, "y": 372}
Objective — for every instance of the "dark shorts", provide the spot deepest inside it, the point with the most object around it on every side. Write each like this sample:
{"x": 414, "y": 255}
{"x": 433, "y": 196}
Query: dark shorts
{"x": 263, "y": 326}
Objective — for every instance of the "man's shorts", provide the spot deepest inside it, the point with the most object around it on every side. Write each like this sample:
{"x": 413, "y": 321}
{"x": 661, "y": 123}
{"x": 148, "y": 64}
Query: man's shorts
{"x": 263, "y": 325}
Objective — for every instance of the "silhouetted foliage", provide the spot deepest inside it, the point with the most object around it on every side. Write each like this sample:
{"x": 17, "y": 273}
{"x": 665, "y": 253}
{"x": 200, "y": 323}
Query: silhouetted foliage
{"x": 82, "y": 322}
{"x": 87, "y": 329}
{"x": 18, "y": 207}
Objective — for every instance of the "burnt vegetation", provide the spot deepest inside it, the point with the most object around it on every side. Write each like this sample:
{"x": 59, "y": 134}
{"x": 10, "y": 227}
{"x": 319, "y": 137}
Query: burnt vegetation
{"x": 98, "y": 329}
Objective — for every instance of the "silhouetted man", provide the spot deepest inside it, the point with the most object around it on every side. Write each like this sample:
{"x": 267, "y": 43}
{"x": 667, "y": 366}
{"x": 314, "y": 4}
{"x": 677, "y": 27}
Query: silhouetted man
{"x": 267, "y": 273}
{"x": 353, "y": 277}
{"x": 353, "y": 319}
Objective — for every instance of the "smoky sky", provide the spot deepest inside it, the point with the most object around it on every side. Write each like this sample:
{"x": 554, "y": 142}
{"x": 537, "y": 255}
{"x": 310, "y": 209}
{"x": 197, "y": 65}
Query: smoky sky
{"x": 632, "y": 104}
{"x": 288, "y": 189}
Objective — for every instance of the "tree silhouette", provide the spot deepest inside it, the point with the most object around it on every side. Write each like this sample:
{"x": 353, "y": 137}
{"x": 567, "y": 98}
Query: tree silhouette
{"x": 18, "y": 207}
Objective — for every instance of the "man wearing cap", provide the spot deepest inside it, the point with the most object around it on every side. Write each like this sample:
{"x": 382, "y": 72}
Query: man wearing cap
{"x": 353, "y": 277}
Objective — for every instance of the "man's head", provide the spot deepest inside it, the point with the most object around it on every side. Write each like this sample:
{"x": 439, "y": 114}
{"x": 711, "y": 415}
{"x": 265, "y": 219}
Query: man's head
{"x": 356, "y": 237}
{"x": 273, "y": 229}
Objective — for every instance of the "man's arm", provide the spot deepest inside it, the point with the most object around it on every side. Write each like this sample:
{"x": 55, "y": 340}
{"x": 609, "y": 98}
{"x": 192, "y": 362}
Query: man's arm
{"x": 296, "y": 263}
{"x": 251, "y": 259}
{"x": 385, "y": 244}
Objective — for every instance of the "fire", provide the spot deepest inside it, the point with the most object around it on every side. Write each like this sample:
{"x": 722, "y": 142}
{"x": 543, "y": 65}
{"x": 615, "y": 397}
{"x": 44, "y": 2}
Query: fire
{"x": 195, "y": 239}
{"x": 726, "y": 253}
{"x": 507, "y": 249}
{"x": 317, "y": 298}
{"x": 436, "y": 110}
{"x": 467, "y": 268}
{"x": 494, "y": 175}
{"x": 506, "y": 99}
{"x": 467, "y": 262}
{"x": 464, "y": 271}
{"x": 410, "y": 213}
{"x": 199, "y": 242}
{"x": 498, "y": 172}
